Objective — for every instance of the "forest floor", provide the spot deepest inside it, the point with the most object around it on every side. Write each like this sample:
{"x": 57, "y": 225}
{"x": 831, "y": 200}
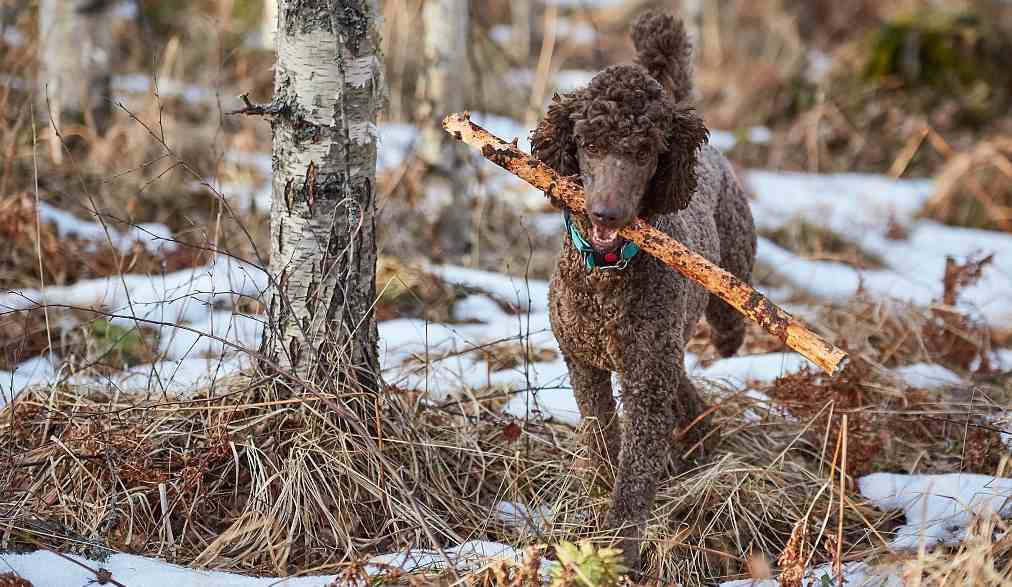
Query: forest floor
{"x": 141, "y": 439}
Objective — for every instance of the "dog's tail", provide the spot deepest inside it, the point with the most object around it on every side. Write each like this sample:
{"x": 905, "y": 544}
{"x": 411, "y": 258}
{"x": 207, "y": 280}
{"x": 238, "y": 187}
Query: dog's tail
{"x": 663, "y": 49}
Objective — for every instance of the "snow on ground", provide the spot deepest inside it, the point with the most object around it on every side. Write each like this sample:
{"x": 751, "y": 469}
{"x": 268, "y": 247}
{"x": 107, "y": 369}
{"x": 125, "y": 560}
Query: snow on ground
{"x": 927, "y": 376}
{"x": 156, "y": 238}
{"x": 190, "y": 310}
{"x": 46, "y": 568}
{"x": 470, "y": 555}
{"x": 34, "y": 371}
{"x": 575, "y": 32}
{"x": 50, "y": 570}
{"x": 938, "y": 508}
{"x": 856, "y": 574}
{"x": 866, "y": 205}
{"x": 725, "y": 140}
{"x": 757, "y": 368}
{"x": 189, "y": 295}
{"x": 520, "y": 517}
{"x": 138, "y": 84}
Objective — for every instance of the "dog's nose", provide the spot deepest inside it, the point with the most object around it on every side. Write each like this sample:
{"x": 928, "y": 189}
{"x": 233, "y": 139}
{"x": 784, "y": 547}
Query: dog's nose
{"x": 605, "y": 214}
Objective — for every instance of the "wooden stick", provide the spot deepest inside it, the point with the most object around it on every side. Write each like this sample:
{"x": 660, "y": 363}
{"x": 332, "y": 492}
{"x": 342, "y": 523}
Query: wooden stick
{"x": 564, "y": 192}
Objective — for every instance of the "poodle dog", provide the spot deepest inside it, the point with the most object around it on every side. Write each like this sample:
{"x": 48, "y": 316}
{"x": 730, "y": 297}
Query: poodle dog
{"x": 639, "y": 149}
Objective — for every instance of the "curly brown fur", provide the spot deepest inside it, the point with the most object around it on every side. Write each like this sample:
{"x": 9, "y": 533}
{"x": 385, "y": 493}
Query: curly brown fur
{"x": 638, "y": 151}
{"x": 664, "y": 50}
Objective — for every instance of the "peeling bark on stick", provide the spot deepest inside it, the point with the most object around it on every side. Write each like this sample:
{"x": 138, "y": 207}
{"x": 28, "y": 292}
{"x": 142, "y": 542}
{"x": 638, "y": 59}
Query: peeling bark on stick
{"x": 564, "y": 192}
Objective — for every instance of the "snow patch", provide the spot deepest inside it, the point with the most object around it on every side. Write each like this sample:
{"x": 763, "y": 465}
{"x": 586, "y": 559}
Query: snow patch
{"x": 724, "y": 140}
{"x": 154, "y": 237}
{"x": 46, "y": 568}
{"x": 927, "y": 376}
{"x": 34, "y": 371}
{"x": 568, "y": 80}
{"x": 469, "y": 555}
{"x": 187, "y": 309}
{"x": 575, "y": 32}
{"x": 521, "y": 517}
{"x": 757, "y": 368}
{"x": 137, "y": 83}
{"x": 855, "y": 574}
{"x": 938, "y": 508}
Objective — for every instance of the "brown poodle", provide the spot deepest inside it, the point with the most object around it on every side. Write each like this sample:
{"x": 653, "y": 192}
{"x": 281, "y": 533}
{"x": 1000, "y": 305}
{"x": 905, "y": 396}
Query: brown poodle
{"x": 640, "y": 150}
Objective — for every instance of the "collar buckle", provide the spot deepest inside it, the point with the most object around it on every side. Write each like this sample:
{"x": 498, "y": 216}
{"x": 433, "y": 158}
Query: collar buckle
{"x": 619, "y": 266}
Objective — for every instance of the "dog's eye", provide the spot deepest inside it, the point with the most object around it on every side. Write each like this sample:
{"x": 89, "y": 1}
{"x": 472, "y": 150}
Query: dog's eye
{"x": 591, "y": 148}
{"x": 642, "y": 156}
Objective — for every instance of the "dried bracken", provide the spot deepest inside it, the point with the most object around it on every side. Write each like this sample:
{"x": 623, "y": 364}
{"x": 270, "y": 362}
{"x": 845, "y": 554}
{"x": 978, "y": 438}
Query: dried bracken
{"x": 886, "y": 430}
{"x": 13, "y": 580}
{"x": 974, "y": 187}
{"x": 794, "y": 557}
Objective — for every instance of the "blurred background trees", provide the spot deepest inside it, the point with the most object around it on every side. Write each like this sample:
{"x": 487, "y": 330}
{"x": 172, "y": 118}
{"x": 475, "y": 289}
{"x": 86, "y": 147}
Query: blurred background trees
{"x": 75, "y": 54}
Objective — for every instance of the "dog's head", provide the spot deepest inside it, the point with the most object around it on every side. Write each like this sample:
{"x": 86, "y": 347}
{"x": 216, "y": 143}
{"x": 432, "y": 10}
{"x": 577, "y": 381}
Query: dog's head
{"x": 631, "y": 146}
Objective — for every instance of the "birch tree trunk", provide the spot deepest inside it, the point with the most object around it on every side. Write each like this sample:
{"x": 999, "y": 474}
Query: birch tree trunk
{"x": 692, "y": 16}
{"x": 75, "y": 43}
{"x": 269, "y": 23}
{"x": 445, "y": 88}
{"x": 327, "y": 89}
{"x": 521, "y": 15}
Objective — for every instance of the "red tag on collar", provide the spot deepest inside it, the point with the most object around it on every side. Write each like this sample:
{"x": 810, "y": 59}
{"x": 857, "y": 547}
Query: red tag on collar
{"x": 611, "y": 258}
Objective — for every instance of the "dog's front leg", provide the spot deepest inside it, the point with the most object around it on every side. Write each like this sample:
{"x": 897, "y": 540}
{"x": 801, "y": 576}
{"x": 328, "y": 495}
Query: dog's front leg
{"x": 648, "y": 419}
{"x": 592, "y": 388}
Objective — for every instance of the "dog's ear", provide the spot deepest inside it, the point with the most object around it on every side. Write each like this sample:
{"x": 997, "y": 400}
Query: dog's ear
{"x": 674, "y": 183}
{"x": 553, "y": 141}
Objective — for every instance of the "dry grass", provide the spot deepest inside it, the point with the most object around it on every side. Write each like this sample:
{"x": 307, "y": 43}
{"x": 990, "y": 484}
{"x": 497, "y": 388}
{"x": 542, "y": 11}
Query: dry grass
{"x": 68, "y": 259}
{"x": 259, "y": 479}
{"x": 984, "y": 558}
{"x": 974, "y": 188}
{"x": 892, "y": 428}
{"x": 812, "y": 241}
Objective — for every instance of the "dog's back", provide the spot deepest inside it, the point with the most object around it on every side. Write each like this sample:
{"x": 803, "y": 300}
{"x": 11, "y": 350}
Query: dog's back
{"x": 663, "y": 48}
{"x": 736, "y": 231}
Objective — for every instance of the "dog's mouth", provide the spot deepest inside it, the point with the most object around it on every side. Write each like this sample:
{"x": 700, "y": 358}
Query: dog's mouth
{"x": 604, "y": 239}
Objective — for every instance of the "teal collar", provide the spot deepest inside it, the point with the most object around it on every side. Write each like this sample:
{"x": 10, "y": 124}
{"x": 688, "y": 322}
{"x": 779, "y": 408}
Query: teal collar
{"x": 591, "y": 257}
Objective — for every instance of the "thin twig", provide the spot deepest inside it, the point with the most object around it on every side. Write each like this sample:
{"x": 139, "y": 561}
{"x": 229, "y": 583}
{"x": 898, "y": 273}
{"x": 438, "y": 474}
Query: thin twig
{"x": 251, "y": 109}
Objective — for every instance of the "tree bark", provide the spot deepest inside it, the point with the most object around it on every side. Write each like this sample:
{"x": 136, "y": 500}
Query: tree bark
{"x": 446, "y": 84}
{"x": 327, "y": 91}
{"x": 269, "y": 23}
{"x": 75, "y": 44}
{"x": 565, "y": 192}
{"x": 521, "y": 15}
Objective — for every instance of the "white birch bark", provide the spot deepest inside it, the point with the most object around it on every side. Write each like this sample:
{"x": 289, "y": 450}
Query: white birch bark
{"x": 75, "y": 42}
{"x": 327, "y": 90}
{"x": 447, "y": 82}
{"x": 692, "y": 16}
{"x": 521, "y": 15}
{"x": 269, "y": 23}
